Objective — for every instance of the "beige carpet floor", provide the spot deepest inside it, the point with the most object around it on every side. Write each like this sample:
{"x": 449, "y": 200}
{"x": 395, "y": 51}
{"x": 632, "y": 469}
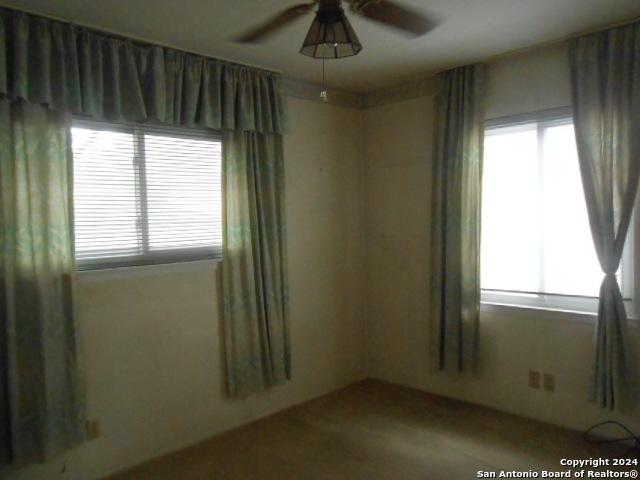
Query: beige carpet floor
{"x": 370, "y": 431}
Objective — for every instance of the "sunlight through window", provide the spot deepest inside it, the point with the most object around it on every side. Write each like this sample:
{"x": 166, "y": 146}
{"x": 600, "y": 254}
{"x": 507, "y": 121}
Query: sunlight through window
{"x": 145, "y": 194}
{"x": 535, "y": 228}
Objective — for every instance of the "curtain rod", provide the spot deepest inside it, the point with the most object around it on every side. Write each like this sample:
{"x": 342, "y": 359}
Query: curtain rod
{"x": 125, "y": 36}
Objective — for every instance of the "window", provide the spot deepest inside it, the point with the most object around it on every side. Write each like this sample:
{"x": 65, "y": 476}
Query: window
{"x": 145, "y": 195}
{"x": 537, "y": 247}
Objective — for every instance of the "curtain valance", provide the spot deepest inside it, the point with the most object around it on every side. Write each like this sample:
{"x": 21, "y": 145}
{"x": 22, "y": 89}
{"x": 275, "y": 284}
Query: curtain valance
{"x": 76, "y": 70}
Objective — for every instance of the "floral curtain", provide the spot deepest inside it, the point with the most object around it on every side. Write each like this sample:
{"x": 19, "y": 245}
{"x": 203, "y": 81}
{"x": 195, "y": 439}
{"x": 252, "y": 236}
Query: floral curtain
{"x": 254, "y": 267}
{"x": 455, "y": 228}
{"x": 50, "y": 70}
{"x": 84, "y": 72}
{"x": 605, "y": 81}
{"x": 41, "y": 376}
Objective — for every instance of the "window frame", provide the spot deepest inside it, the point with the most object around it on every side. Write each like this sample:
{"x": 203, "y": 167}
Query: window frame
{"x": 148, "y": 257}
{"x": 553, "y": 301}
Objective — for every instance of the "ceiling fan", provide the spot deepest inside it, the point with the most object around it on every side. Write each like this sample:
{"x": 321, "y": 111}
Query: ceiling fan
{"x": 331, "y": 34}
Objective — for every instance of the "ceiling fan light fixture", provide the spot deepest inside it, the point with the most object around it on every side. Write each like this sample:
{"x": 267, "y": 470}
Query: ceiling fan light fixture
{"x": 331, "y": 35}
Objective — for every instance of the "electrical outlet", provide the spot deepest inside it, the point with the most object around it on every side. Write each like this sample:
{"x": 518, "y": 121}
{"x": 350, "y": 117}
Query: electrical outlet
{"x": 93, "y": 429}
{"x": 534, "y": 379}
{"x": 549, "y": 382}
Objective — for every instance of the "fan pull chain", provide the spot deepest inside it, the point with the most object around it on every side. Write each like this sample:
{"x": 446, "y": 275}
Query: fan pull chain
{"x": 323, "y": 91}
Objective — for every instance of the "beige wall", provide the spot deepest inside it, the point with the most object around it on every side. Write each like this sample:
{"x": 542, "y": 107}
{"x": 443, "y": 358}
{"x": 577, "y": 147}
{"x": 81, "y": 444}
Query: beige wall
{"x": 398, "y": 151}
{"x": 151, "y": 340}
{"x": 529, "y": 81}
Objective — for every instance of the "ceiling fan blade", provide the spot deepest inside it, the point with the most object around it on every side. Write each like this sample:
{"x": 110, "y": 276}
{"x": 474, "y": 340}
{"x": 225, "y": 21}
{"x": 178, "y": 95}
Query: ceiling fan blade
{"x": 261, "y": 32}
{"x": 393, "y": 15}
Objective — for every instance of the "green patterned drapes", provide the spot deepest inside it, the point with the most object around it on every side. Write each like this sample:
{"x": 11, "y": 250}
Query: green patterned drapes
{"x": 49, "y": 69}
{"x": 42, "y": 380}
{"x": 455, "y": 229}
{"x": 84, "y": 72}
{"x": 254, "y": 266}
{"x": 605, "y": 80}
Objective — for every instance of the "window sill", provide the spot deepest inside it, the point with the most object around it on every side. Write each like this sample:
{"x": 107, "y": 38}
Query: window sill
{"x": 121, "y": 273}
{"x": 547, "y": 313}
{"x": 541, "y": 312}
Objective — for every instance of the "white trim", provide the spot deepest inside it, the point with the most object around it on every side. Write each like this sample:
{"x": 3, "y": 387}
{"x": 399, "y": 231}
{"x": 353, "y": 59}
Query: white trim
{"x": 121, "y": 273}
{"x": 582, "y": 305}
{"x": 567, "y": 315}
{"x": 491, "y": 308}
{"x": 548, "y": 117}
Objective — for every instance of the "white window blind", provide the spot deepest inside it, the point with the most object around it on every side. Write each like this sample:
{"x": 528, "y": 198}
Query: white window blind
{"x": 537, "y": 247}
{"x": 145, "y": 194}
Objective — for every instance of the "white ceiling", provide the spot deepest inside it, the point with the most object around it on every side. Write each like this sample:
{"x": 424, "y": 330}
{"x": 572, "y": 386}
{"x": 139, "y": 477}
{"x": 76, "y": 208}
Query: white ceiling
{"x": 471, "y": 30}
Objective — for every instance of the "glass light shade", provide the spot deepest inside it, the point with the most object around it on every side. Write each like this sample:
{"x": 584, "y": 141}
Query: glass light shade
{"x": 331, "y": 35}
